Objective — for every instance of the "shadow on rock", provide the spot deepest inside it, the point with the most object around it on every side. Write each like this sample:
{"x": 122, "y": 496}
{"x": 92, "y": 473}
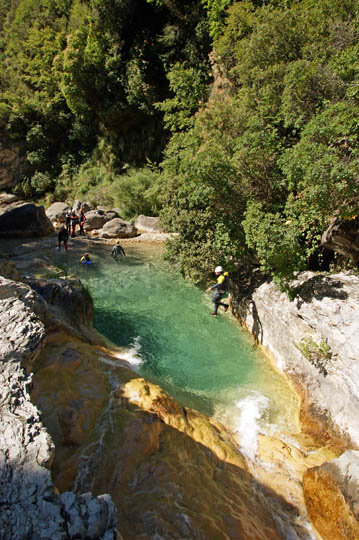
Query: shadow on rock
{"x": 320, "y": 287}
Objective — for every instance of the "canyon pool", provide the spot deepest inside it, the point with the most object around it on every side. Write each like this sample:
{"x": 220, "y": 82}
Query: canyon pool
{"x": 164, "y": 326}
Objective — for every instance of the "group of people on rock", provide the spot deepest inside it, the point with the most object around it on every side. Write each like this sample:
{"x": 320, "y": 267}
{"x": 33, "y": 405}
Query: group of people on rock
{"x": 72, "y": 220}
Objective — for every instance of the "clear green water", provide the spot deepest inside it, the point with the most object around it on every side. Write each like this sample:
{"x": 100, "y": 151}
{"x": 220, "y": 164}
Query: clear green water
{"x": 164, "y": 323}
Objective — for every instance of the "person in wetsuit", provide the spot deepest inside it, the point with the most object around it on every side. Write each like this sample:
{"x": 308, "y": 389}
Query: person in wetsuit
{"x": 63, "y": 236}
{"x": 117, "y": 251}
{"x": 220, "y": 289}
{"x": 82, "y": 220}
{"x": 74, "y": 222}
{"x": 68, "y": 222}
{"x": 85, "y": 259}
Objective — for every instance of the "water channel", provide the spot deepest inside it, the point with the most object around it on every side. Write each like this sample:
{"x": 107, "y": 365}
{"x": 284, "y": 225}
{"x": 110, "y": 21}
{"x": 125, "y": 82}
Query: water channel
{"x": 164, "y": 326}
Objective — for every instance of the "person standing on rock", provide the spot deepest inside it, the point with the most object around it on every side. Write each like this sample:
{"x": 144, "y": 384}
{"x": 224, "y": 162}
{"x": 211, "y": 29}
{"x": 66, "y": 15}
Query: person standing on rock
{"x": 68, "y": 222}
{"x": 74, "y": 221}
{"x": 117, "y": 251}
{"x": 63, "y": 236}
{"x": 82, "y": 220}
{"x": 220, "y": 290}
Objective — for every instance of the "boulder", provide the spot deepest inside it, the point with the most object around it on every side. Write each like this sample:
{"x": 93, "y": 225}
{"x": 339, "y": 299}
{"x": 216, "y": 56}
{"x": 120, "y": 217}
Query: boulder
{"x": 67, "y": 301}
{"x": 331, "y": 494}
{"x": 118, "y": 228}
{"x": 25, "y": 220}
{"x": 342, "y": 236}
{"x": 78, "y": 205}
{"x": 58, "y": 211}
{"x": 95, "y": 220}
{"x": 148, "y": 224}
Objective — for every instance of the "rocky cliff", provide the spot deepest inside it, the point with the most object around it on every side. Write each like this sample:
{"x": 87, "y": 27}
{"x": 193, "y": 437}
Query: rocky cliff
{"x": 314, "y": 340}
{"x": 30, "y": 505}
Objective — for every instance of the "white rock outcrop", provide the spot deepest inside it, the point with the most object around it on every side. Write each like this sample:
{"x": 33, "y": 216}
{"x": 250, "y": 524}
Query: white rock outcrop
{"x": 30, "y": 506}
{"x": 313, "y": 339}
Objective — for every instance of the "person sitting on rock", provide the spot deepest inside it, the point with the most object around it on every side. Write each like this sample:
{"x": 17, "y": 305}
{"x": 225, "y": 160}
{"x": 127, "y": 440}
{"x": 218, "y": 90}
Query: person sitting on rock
{"x": 117, "y": 251}
{"x": 63, "y": 236}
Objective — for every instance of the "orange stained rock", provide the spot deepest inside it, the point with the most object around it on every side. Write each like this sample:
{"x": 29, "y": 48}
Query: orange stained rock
{"x": 327, "y": 507}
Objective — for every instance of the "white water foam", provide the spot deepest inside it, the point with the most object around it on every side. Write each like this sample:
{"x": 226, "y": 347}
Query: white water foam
{"x": 253, "y": 408}
{"x": 133, "y": 354}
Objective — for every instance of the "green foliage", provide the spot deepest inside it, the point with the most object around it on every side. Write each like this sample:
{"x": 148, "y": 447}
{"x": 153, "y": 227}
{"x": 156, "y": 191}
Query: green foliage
{"x": 136, "y": 192}
{"x": 286, "y": 130}
{"x": 317, "y": 354}
{"x": 277, "y": 243}
{"x": 259, "y": 163}
{"x": 190, "y": 89}
{"x": 74, "y": 72}
{"x": 216, "y": 15}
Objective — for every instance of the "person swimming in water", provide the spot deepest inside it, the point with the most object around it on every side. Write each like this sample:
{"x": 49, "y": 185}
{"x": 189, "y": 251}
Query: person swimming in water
{"x": 117, "y": 251}
{"x": 85, "y": 259}
{"x": 220, "y": 290}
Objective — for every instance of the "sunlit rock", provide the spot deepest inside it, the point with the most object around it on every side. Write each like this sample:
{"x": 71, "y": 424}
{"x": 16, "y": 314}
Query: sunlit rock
{"x": 331, "y": 494}
{"x": 30, "y": 505}
{"x": 148, "y": 224}
{"x": 57, "y": 212}
{"x": 314, "y": 340}
{"x": 118, "y": 228}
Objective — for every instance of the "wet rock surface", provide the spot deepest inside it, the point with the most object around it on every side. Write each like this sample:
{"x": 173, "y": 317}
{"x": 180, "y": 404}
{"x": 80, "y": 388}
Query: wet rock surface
{"x": 30, "y": 505}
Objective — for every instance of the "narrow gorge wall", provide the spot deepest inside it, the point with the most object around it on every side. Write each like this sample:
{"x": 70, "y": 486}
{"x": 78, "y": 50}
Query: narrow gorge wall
{"x": 313, "y": 339}
{"x": 30, "y": 505}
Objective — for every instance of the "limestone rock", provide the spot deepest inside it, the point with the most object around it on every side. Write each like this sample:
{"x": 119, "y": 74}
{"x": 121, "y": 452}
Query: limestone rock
{"x": 169, "y": 469}
{"x": 7, "y": 198}
{"x": 331, "y": 494}
{"x": 148, "y": 224}
{"x": 57, "y": 212}
{"x": 322, "y": 317}
{"x": 342, "y": 236}
{"x": 25, "y": 220}
{"x": 30, "y": 506}
{"x": 95, "y": 220}
{"x": 68, "y": 304}
{"x": 86, "y": 207}
{"x": 118, "y": 228}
